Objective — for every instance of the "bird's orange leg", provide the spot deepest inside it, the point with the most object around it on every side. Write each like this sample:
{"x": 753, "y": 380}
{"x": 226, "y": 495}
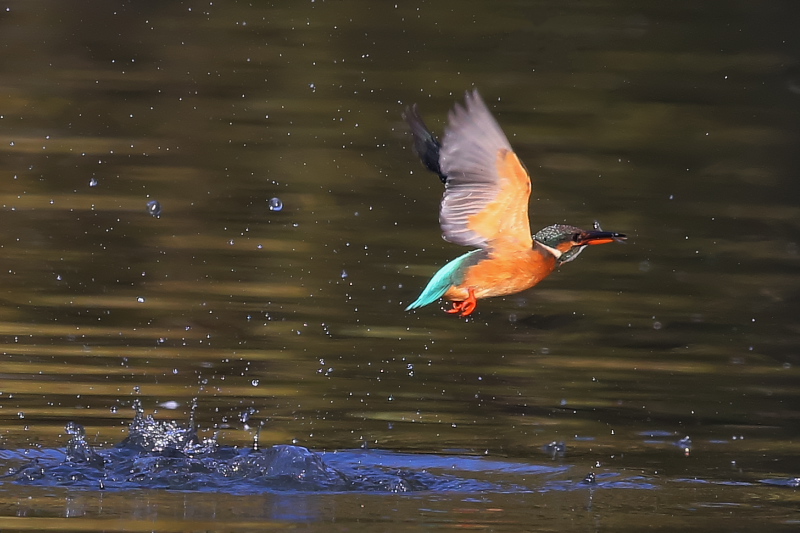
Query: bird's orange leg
{"x": 467, "y": 306}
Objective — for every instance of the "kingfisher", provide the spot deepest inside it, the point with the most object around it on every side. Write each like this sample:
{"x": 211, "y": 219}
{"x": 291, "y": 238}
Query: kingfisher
{"x": 485, "y": 206}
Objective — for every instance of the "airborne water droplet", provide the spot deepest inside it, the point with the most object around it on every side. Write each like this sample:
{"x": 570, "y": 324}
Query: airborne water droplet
{"x": 275, "y": 204}
{"x": 154, "y": 208}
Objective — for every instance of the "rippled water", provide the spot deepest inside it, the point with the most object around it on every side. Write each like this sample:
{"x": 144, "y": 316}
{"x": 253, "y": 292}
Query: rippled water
{"x": 293, "y": 223}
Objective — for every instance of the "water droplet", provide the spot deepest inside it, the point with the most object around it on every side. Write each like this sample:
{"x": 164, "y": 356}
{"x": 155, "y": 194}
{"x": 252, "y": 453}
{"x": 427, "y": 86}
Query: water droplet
{"x": 685, "y": 444}
{"x": 556, "y": 449}
{"x": 275, "y": 204}
{"x": 140, "y": 299}
{"x": 255, "y": 383}
{"x": 154, "y": 208}
{"x": 93, "y": 182}
{"x": 76, "y": 430}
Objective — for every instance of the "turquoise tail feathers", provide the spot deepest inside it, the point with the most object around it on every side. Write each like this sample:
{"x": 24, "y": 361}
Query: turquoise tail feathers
{"x": 447, "y": 276}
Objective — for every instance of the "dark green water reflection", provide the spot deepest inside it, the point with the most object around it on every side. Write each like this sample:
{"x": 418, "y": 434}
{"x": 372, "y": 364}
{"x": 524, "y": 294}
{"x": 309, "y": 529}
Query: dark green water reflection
{"x": 676, "y": 124}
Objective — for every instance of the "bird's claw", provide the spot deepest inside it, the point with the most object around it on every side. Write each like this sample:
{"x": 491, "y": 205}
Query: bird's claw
{"x": 467, "y": 306}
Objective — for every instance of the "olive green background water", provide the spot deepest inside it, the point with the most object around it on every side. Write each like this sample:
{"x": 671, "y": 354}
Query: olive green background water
{"x": 677, "y": 123}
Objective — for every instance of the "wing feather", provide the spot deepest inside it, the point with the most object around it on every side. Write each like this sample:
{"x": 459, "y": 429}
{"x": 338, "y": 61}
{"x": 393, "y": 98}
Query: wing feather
{"x": 485, "y": 203}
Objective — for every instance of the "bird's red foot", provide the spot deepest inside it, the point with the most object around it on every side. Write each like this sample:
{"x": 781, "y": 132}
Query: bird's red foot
{"x": 467, "y": 306}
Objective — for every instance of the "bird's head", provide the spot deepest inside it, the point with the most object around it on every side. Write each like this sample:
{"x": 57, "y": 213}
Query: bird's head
{"x": 567, "y": 242}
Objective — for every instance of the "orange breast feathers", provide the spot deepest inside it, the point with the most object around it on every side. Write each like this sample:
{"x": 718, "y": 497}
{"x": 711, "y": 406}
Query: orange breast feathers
{"x": 504, "y": 273}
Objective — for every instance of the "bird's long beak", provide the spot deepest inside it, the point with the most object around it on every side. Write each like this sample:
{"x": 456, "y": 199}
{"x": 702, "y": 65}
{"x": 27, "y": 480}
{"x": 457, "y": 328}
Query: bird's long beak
{"x": 600, "y": 237}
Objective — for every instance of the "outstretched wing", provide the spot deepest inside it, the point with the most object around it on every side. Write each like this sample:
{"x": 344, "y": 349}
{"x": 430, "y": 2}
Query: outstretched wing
{"x": 486, "y": 196}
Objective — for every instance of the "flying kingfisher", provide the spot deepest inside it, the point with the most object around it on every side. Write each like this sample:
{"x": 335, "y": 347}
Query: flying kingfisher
{"x": 485, "y": 206}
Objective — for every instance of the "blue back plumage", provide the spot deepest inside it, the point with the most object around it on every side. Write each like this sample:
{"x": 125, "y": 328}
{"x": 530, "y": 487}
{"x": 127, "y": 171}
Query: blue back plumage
{"x": 447, "y": 276}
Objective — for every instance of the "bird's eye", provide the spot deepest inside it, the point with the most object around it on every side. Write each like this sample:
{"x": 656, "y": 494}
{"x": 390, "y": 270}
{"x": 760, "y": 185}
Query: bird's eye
{"x": 576, "y": 237}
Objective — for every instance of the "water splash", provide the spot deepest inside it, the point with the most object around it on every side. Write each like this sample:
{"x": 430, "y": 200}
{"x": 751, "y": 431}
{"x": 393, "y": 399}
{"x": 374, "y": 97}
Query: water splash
{"x": 159, "y": 454}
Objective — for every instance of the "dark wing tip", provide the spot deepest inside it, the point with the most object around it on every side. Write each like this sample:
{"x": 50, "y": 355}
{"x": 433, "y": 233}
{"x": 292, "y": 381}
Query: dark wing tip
{"x": 411, "y": 112}
{"x": 426, "y": 145}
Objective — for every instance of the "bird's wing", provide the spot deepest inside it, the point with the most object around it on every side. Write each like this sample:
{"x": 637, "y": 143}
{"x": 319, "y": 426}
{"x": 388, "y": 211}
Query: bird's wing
{"x": 485, "y": 203}
{"x": 425, "y": 144}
